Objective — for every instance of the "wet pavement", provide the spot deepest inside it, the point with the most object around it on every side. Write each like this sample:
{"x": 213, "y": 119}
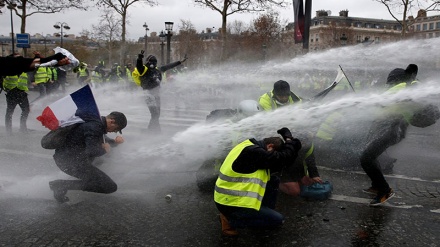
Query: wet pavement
{"x": 139, "y": 214}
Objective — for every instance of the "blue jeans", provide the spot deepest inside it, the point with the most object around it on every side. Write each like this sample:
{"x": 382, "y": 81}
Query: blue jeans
{"x": 266, "y": 217}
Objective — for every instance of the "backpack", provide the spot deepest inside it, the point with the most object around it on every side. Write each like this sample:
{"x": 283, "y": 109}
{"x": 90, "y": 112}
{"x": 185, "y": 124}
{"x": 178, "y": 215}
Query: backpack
{"x": 317, "y": 191}
{"x": 56, "y": 138}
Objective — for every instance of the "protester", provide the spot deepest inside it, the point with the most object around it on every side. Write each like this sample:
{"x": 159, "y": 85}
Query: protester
{"x": 82, "y": 73}
{"x": 245, "y": 192}
{"x": 16, "y": 88}
{"x": 75, "y": 157}
{"x": 295, "y": 175}
{"x": 17, "y": 65}
{"x": 149, "y": 77}
{"x": 392, "y": 123}
{"x": 279, "y": 96}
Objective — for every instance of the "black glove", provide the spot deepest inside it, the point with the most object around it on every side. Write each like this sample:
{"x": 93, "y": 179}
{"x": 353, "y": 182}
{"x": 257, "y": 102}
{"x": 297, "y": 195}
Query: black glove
{"x": 141, "y": 55}
{"x": 285, "y": 133}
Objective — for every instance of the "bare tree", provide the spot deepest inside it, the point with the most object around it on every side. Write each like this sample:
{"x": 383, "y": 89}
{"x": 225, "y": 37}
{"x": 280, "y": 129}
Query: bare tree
{"x": 189, "y": 42}
{"x": 401, "y": 9}
{"x": 229, "y": 7}
{"x": 121, "y": 7}
{"x": 108, "y": 31}
{"x": 26, "y": 8}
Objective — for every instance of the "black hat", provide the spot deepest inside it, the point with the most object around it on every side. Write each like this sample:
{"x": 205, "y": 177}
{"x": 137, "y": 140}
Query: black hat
{"x": 412, "y": 69}
{"x": 281, "y": 88}
{"x": 119, "y": 118}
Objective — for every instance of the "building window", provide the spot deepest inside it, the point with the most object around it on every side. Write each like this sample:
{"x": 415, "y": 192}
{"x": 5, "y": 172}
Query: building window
{"x": 430, "y": 35}
{"x": 377, "y": 26}
{"x": 418, "y": 27}
{"x": 431, "y": 26}
{"x": 368, "y": 25}
{"x": 437, "y": 25}
{"x": 358, "y": 38}
{"x": 425, "y": 26}
{"x": 437, "y": 35}
{"x": 317, "y": 37}
{"x": 376, "y": 39}
{"x": 358, "y": 24}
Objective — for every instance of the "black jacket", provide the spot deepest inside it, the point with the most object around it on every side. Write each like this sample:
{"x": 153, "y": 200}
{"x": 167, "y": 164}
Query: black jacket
{"x": 153, "y": 77}
{"x": 256, "y": 157}
{"x": 85, "y": 141}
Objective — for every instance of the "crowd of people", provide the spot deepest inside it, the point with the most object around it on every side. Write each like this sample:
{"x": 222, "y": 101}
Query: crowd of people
{"x": 250, "y": 175}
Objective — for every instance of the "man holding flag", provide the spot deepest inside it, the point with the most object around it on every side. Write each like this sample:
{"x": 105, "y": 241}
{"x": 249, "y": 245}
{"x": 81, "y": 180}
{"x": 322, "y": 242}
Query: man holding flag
{"x": 84, "y": 142}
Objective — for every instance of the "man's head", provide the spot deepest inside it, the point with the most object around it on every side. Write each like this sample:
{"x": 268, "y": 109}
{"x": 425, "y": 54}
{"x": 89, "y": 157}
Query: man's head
{"x": 151, "y": 62}
{"x": 116, "y": 121}
{"x": 273, "y": 143}
{"x": 411, "y": 71}
{"x": 281, "y": 91}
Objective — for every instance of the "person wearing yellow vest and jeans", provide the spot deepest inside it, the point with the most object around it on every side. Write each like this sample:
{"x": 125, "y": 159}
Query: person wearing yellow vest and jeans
{"x": 245, "y": 192}
{"x": 40, "y": 78}
{"x": 16, "y": 88}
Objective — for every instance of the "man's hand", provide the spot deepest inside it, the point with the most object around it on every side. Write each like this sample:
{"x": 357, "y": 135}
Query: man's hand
{"x": 317, "y": 180}
{"x": 141, "y": 55}
{"x": 285, "y": 133}
{"x": 119, "y": 140}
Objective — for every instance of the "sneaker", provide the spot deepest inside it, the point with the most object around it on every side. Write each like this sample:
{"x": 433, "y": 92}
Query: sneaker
{"x": 371, "y": 191}
{"x": 381, "y": 198}
{"x": 59, "y": 193}
{"x": 227, "y": 230}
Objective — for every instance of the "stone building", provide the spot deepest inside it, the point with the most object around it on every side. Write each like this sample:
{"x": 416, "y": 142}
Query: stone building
{"x": 424, "y": 27}
{"x": 328, "y": 31}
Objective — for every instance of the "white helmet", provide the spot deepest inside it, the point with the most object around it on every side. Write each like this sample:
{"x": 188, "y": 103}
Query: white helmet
{"x": 248, "y": 107}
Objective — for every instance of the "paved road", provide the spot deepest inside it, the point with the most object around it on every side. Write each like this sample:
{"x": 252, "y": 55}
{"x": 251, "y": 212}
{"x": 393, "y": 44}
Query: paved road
{"x": 139, "y": 215}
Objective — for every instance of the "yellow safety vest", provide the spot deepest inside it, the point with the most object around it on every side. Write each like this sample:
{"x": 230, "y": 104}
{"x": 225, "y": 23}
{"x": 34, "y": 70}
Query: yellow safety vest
{"x": 268, "y": 103}
{"x": 41, "y": 75}
{"x": 82, "y": 72}
{"x": 137, "y": 76}
{"x": 239, "y": 189}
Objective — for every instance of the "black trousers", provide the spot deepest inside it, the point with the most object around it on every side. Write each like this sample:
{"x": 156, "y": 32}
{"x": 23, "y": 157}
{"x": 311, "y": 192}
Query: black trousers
{"x": 90, "y": 177}
{"x": 382, "y": 134}
{"x": 16, "y": 97}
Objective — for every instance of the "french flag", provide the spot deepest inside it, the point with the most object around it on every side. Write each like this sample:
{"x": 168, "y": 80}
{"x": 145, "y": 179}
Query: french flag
{"x": 67, "y": 111}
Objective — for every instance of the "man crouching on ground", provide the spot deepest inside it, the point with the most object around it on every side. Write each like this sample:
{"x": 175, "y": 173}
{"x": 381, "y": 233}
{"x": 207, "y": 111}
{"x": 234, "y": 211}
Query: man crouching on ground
{"x": 85, "y": 143}
{"x": 245, "y": 192}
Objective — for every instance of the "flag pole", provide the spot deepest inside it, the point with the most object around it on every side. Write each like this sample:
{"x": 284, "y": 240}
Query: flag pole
{"x": 349, "y": 83}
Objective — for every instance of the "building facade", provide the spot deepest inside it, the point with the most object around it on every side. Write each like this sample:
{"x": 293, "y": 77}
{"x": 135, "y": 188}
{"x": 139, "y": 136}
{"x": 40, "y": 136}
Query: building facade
{"x": 424, "y": 27}
{"x": 328, "y": 31}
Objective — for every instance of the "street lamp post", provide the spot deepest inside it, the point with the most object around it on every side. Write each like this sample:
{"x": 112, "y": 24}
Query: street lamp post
{"x": 169, "y": 29}
{"x": 162, "y": 37}
{"x": 146, "y": 36}
{"x": 61, "y": 26}
{"x": 12, "y": 6}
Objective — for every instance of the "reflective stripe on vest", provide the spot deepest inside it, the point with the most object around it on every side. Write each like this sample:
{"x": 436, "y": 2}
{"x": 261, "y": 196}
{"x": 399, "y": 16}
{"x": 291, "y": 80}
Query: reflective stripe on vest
{"x": 238, "y": 189}
{"x": 10, "y": 82}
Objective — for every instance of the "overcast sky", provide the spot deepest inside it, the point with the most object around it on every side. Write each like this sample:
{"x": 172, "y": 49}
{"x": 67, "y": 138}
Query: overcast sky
{"x": 174, "y": 11}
